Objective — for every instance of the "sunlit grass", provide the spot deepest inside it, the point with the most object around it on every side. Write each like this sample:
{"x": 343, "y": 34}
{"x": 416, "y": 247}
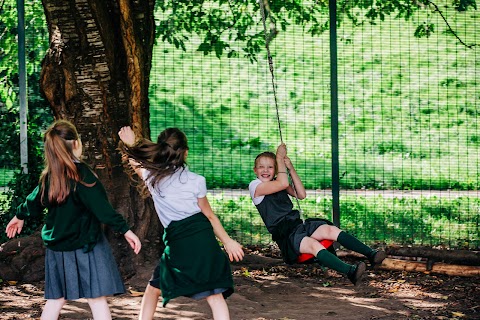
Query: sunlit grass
{"x": 408, "y": 107}
{"x": 427, "y": 221}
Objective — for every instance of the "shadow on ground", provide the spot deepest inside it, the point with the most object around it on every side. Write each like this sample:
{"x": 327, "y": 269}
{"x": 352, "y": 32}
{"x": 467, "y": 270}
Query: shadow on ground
{"x": 268, "y": 289}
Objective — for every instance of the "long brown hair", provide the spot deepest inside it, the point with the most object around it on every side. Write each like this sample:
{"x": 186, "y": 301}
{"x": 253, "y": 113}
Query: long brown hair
{"x": 161, "y": 159}
{"x": 60, "y": 167}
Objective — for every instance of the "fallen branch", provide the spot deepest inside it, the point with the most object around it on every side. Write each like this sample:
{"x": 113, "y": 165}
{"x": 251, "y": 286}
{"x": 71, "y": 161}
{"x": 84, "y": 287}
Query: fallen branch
{"x": 463, "y": 257}
{"x": 439, "y": 268}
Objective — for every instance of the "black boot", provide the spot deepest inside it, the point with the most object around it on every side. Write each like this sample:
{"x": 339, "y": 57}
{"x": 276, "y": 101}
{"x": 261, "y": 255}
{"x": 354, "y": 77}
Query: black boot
{"x": 356, "y": 273}
{"x": 377, "y": 257}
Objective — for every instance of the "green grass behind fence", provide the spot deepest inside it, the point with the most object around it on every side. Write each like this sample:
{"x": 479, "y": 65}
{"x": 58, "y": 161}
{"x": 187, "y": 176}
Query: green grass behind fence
{"x": 408, "y": 107}
{"x": 377, "y": 220}
{"x": 426, "y": 221}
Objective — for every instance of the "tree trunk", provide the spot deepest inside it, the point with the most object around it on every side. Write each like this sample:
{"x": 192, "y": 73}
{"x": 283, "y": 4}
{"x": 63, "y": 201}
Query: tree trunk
{"x": 96, "y": 74}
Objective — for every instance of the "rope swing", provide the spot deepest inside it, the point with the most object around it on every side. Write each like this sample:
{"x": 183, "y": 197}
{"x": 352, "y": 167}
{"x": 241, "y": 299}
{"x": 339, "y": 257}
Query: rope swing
{"x": 304, "y": 257}
{"x": 270, "y": 65}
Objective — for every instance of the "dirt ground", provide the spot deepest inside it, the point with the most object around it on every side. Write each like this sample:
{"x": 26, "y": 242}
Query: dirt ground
{"x": 265, "y": 288}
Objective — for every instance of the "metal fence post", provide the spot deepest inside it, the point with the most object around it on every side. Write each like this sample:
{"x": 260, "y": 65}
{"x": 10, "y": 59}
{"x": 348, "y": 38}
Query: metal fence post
{"x": 334, "y": 113}
{"x": 22, "y": 71}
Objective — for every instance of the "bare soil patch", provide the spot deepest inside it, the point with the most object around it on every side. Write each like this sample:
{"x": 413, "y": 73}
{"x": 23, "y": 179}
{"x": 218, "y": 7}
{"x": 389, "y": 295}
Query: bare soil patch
{"x": 266, "y": 288}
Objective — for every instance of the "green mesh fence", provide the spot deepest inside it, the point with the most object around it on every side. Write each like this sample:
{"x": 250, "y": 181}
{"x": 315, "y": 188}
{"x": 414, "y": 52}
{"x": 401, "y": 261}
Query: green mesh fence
{"x": 408, "y": 123}
{"x": 408, "y": 111}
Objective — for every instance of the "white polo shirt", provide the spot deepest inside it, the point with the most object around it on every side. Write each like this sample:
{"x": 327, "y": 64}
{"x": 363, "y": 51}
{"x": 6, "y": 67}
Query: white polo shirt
{"x": 252, "y": 187}
{"x": 176, "y": 197}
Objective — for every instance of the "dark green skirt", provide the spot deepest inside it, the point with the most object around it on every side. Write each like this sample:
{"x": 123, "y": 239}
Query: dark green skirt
{"x": 193, "y": 261}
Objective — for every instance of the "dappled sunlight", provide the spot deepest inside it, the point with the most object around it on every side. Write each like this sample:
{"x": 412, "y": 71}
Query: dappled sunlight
{"x": 180, "y": 311}
{"x": 349, "y": 296}
{"x": 336, "y": 290}
{"x": 75, "y": 307}
{"x": 183, "y": 308}
{"x": 370, "y": 305}
{"x": 393, "y": 295}
{"x": 422, "y": 304}
{"x": 288, "y": 293}
{"x": 122, "y": 307}
{"x": 128, "y": 307}
{"x": 415, "y": 297}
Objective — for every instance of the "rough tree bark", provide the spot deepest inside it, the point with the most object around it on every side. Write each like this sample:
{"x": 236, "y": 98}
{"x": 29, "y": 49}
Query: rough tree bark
{"x": 96, "y": 74}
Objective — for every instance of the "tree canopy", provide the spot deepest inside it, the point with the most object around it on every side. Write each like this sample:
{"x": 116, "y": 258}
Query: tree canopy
{"x": 221, "y": 23}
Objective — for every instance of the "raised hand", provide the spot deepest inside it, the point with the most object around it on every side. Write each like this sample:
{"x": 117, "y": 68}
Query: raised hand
{"x": 281, "y": 151}
{"x": 127, "y": 135}
{"x": 288, "y": 163}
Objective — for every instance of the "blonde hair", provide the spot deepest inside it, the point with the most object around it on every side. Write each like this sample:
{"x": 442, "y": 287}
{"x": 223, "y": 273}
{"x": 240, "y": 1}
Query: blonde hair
{"x": 60, "y": 167}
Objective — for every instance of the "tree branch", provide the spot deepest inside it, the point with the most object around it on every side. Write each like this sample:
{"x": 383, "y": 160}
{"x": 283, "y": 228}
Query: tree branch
{"x": 437, "y": 9}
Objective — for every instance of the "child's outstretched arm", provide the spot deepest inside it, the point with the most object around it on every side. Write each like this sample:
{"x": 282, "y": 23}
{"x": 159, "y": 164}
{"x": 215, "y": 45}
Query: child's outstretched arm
{"x": 233, "y": 248}
{"x": 14, "y": 227}
{"x": 299, "y": 190}
{"x": 133, "y": 241}
{"x": 32, "y": 207}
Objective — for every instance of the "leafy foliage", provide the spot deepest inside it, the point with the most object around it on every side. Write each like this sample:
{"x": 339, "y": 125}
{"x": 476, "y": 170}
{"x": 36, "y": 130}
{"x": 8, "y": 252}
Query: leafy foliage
{"x": 36, "y": 44}
{"x": 225, "y": 25}
{"x": 21, "y": 184}
{"x": 39, "y": 113}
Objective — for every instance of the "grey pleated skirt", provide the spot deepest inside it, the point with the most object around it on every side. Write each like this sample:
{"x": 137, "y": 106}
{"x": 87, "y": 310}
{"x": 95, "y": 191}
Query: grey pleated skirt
{"x": 76, "y": 274}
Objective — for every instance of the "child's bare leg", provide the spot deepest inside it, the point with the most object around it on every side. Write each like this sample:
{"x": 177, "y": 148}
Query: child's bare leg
{"x": 219, "y": 307}
{"x": 310, "y": 245}
{"x": 52, "y": 309}
{"x": 100, "y": 309}
{"x": 149, "y": 302}
{"x": 326, "y": 232}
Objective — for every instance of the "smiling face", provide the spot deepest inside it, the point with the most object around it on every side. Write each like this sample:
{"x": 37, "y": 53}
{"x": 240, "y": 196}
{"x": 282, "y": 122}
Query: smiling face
{"x": 265, "y": 168}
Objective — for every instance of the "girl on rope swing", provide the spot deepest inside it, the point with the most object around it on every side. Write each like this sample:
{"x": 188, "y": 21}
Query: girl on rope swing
{"x": 270, "y": 193}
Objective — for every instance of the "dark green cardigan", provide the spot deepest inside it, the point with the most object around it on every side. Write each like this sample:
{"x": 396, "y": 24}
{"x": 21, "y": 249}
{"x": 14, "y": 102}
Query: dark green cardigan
{"x": 76, "y": 223}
